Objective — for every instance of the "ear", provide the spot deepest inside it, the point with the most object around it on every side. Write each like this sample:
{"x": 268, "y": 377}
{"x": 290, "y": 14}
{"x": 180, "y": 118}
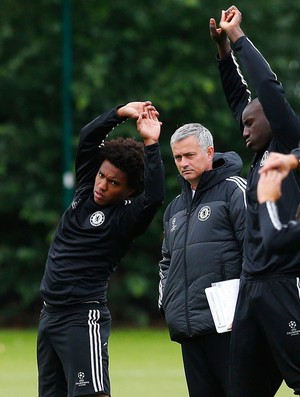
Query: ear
{"x": 210, "y": 153}
{"x": 130, "y": 193}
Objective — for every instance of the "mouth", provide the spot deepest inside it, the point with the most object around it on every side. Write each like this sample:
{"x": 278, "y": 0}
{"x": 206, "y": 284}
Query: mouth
{"x": 186, "y": 171}
{"x": 248, "y": 143}
{"x": 98, "y": 195}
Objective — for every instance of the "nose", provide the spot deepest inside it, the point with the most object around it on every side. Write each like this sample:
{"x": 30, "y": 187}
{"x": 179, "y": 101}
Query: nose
{"x": 246, "y": 132}
{"x": 185, "y": 162}
{"x": 102, "y": 184}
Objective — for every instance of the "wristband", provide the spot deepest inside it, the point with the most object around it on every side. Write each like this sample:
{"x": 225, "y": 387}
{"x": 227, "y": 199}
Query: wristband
{"x": 296, "y": 152}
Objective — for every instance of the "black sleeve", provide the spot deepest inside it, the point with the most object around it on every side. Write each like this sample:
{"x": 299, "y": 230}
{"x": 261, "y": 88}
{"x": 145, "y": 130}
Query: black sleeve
{"x": 142, "y": 209}
{"x": 91, "y": 138}
{"x": 164, "y": 263}
{"x": 234, "y": 86}
{"x": 296, "y": 152}
{"x": 276, "y": 236}
{"x": 285, "y": 124}
{"x": 237, "y": 210}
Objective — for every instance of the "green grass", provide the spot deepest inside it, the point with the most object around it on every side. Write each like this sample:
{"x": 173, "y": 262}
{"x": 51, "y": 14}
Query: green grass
{"x": 143, "y": 362}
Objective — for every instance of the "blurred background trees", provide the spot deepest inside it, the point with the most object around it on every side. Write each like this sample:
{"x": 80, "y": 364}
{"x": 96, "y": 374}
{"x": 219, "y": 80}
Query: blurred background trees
{"x": 122, "y": 50}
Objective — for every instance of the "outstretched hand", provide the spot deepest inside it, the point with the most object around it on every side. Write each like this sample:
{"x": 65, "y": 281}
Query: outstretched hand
{"x": 149, "y": 126}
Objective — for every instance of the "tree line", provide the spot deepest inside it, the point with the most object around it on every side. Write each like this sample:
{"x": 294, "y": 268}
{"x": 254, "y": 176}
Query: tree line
{"x": 121, "y": 51}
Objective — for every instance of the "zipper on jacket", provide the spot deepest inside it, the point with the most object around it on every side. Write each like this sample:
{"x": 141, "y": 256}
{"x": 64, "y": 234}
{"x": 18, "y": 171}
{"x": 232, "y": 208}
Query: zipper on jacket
{"x": 189, "y": 329}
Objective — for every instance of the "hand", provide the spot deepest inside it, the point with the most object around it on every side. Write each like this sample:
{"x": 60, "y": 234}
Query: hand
{"x": 220, "y": 37}
{"x": 269, "y": 186}
{"x": 133, "y": 109}
{"x": 282, "y": 163}
{"x": 230, "y": 22}
{"x": 231, "y": 18}
{"x": 149, "y": 126}
{"x": 217, "y": 34}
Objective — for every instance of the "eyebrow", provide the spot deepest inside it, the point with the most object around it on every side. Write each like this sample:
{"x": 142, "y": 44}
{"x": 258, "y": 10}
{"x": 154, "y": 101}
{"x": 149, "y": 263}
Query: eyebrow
{"x": 113, "y": 179}
{"x": 183, "y": 154}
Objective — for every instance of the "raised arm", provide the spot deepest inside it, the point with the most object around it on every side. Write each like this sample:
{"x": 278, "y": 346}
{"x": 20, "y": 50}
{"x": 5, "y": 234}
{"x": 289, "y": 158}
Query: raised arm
{"x": 284, "y": 122}
{"x": 91, "y": 137}
{"x": 144, "y": 207}
{"x": 219, "y": 36}
{"x": 94, "y": 133}
{"x": 234, "y": 85}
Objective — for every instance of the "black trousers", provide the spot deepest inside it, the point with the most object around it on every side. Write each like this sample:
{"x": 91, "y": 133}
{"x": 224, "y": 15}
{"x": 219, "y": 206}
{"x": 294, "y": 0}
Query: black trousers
{"x": 206, "y": 364}
{"x": 265, "y": 342}
{"x": 72, "y": 350}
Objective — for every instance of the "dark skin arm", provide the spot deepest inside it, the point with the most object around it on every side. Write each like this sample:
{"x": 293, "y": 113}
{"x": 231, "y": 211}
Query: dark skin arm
{"x": 219, "y": 36}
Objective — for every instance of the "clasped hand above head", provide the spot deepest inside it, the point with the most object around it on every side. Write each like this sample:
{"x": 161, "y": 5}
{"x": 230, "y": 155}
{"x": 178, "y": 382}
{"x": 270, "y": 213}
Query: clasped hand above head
{"x": 229, "y": 27}
{"x": 133, "y": 110}
{"x": 146, "y": 117}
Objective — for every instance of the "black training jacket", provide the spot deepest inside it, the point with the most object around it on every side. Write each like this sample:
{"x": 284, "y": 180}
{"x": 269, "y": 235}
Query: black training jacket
{"x": 285, "y": 125}
{"x": 278, "y": 237}
{"x": 90, "y": 239}
{"x": 203, "y": 240}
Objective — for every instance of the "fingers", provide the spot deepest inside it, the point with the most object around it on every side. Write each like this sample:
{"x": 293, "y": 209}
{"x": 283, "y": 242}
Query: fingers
{"x": 224, "y": 16}
{"x": 272, "y": 176}
{"x": 212, "y": 24}
{"x": 151, "y": 112}
{"x": 269, "y": 186}
{"x": 231, "y": 9}
{"x": 275, "y": 161}
{"x": 230, "y": 14}
{"x": 213, "y": 29}
{"x": 151, "y": 115}
{"x": 135, "y": 109}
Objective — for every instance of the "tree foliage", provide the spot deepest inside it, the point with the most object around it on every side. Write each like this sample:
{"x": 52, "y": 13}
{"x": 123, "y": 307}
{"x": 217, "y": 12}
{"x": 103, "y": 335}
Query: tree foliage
{"x": 122, "y": 51}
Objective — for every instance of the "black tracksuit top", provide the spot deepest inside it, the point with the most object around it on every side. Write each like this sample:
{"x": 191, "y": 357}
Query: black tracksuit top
{"x": 285, "y": 124}
{"x": 90, "y": 239}
{"x": 278, "y": 237}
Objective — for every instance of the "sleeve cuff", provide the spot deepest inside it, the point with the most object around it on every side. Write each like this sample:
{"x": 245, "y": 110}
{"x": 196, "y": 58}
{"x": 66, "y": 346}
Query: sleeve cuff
{"x": 296, "y": 152}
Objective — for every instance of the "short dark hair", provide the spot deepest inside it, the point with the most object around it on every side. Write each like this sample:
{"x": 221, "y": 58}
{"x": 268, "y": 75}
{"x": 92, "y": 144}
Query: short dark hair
{"x": 127, "y": 154}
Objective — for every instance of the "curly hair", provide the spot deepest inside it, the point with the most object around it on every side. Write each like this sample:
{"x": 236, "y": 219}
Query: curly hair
{"x": 127, "y": 154}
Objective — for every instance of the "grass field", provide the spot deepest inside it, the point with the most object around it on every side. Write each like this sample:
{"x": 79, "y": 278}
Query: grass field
{"x": 143, "y": 362}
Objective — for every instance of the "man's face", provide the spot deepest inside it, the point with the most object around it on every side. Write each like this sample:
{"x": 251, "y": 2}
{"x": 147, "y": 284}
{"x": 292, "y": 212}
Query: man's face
{"x": 110, "y": 185}
{"x": 190, "y": 160}
{"x": 257, "y": 131}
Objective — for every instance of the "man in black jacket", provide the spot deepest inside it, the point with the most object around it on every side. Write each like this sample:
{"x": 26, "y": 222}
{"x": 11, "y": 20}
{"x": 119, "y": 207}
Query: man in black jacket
{"x": 268, "y": 124}
{"x": 203, "y": 239}
{"x": 119, "y": 188}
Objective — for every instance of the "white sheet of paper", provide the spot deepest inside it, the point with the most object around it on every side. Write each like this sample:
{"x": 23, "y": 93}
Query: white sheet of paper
{"x": 222, "y": 298}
